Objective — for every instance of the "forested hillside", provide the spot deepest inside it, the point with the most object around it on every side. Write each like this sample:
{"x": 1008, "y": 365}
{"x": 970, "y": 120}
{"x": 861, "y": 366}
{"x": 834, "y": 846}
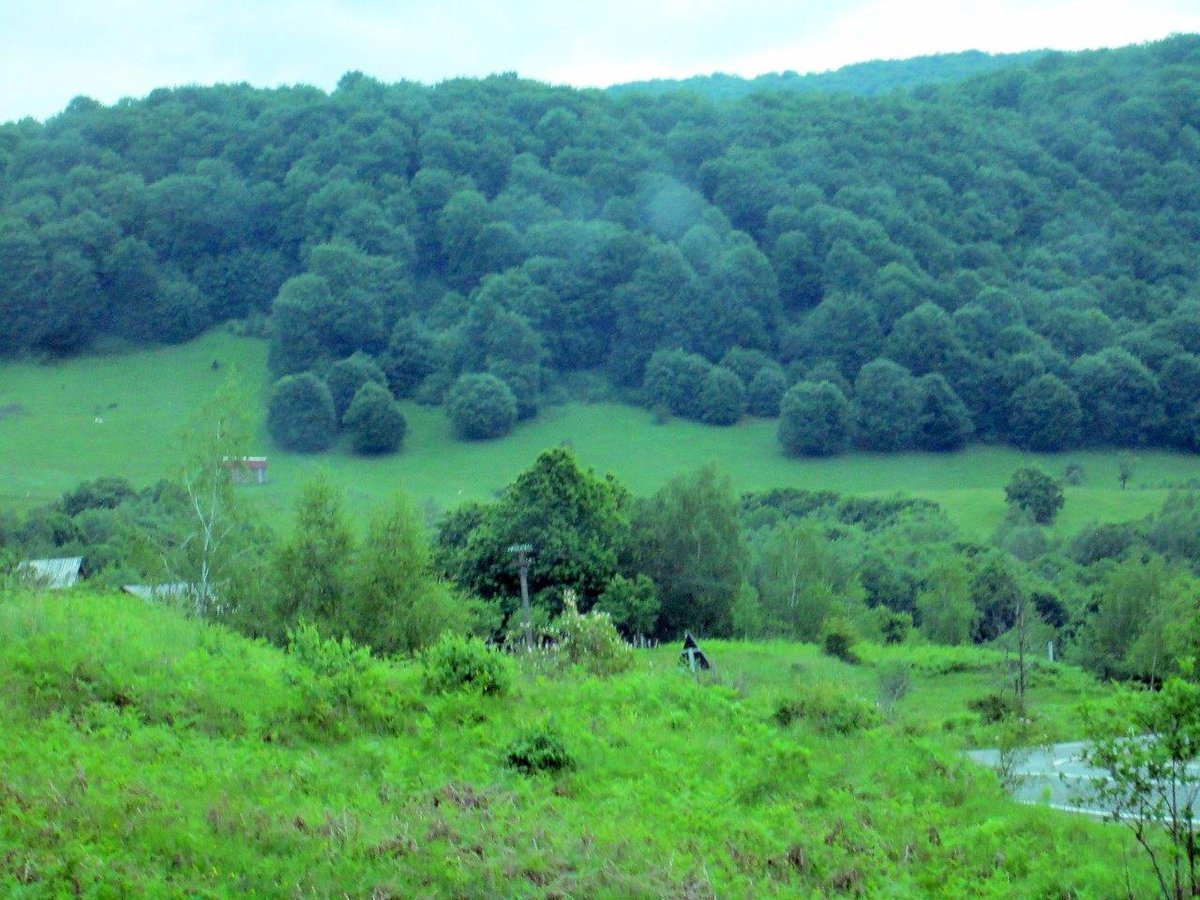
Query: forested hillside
{"x": 1009, "y": 258}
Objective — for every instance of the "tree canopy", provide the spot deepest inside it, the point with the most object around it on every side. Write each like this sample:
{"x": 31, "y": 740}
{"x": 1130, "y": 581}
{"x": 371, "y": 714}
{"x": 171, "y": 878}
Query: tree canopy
{"x": 1037, "y": 221}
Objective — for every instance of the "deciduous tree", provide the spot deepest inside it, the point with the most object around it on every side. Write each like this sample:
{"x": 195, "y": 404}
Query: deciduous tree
{"x": 814, "y": 420}
{"x": 1037, "y": 493}
{"x": 481, "y": 406}
{"x": 300, "y": 414}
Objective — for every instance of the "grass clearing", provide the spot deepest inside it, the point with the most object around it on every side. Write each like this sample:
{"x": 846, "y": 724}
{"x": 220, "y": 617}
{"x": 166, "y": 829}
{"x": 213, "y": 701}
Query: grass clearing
{"x": 122, "y": 415}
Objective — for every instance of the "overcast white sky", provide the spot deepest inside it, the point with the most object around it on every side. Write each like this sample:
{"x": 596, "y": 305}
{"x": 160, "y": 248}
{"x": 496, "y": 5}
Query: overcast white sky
{"x": 53, "y": 50}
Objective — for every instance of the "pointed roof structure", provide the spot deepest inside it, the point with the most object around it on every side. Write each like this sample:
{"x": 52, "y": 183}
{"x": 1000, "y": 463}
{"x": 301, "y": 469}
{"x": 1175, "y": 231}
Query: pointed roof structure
{"x": 54, "y": 574}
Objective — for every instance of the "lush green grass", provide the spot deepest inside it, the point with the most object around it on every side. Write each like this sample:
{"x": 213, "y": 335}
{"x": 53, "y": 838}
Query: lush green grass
{"x": 124, "y": 414}
{"x": 57, "y": 441}
{"x": 943, "y": 680}
{"x": 146, "y": 755}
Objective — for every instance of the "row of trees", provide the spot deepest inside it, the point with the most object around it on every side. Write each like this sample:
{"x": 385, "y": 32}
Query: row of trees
{"x": 1032, "y": 223}
{"x": 1118, "y": 598}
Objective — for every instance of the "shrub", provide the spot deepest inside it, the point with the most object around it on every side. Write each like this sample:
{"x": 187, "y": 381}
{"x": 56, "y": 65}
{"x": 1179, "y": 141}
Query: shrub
{"x": 888, "y": 406}
{"x": 826, "y": 709}
{"x": 814, "y": 420}
{"x": 347, "y": 376}
{"x": 746, "y": 364}
{"x": 301, "y": 415}
{"x": 676, "y": 379}
{"x": 525, "y": 382}
{"x": 341, "y": 685}
{"x": 723, "y": 398}
{"x": 995, "y": 707}
{"x": 765, "y": 391}
{"x": 101, "y": 493}
{"x": 838, "y": 640}
{"x": 466, "y": 663}
{"x": 481, "y": 406}
{"x": 539, "y": 749}
{"x": 329, "y": 658}
{"x": 1096, "y": 542}
{"x": 591, "y": 640}
{"x": 894, "y": 625}
{"x": 410, "y": 358}
{"x": 895, "y": 681}
{"x": 1034, "y": 491}
{"x": 375, "y": 421}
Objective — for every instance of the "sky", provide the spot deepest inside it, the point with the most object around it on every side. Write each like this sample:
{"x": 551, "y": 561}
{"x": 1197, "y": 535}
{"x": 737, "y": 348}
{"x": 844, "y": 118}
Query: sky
{"x": 54, "y": 50}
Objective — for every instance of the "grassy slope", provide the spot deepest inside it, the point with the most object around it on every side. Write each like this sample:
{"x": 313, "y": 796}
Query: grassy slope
{"x": 57, "y": 442}
{"x": 146, "y": 755}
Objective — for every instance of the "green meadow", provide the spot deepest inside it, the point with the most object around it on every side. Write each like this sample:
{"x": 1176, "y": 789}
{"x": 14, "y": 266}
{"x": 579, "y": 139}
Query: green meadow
{"x": 149, "y": 755}
{"x": 63, "y": 422}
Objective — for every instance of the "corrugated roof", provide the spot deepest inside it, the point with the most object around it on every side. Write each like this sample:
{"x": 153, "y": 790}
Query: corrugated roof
{"x": 62, "y": 572}
{"x": 157, "y": 591}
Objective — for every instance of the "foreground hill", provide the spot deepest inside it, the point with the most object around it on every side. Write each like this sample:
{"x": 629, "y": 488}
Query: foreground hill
{"x": 149, "y": 755}
{"x": 1009, "y": 257}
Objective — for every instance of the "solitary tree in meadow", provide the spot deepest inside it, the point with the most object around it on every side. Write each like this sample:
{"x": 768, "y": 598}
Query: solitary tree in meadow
{"x": 1035, "y": 492}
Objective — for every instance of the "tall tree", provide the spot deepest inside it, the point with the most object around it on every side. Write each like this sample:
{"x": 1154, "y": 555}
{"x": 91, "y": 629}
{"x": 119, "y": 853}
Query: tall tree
{"x": 1044, "y": 415}
{"x": 1120, "y": 397}
{"x": 801, "y": 583}
{"x": 397, "y": 603}
{"x": 944, "y": 423}
{"x": 312, "y": 566}
{"x": 946, "y": 612}
{"x": 577, "y": 523}
{"x": 687, "y": 539}
{"x": 221, "y": 533}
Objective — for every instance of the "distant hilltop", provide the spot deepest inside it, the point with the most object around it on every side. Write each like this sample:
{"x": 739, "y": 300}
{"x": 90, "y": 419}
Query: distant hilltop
{"x": 867, "y": 79}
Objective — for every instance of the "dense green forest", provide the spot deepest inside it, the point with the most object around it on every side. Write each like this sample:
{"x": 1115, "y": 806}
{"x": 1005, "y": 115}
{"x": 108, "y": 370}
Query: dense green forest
{"x": 1005, "y": 258}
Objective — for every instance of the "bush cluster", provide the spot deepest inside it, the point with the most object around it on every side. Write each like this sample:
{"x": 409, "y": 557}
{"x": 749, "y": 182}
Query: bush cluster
{"x": 591, "y": 641}
{"x": 301, "y": 415}
{"x": 457, "y": 663}
{"x": 839, "y": 639}
{"x": 481, "y": 406}
{"x": 827, "y": 709}
{"x": 539, "y": 749}
{"x": 340, "y": 687}
{"x": 995, "y": 707}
